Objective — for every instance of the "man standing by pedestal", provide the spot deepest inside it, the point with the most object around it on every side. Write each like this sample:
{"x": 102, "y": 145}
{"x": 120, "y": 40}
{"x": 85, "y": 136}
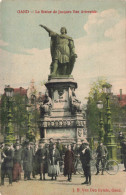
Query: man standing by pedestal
{"x": 121, "y": 137}
{"x": 17, "y": 163}
{"x": 85, "y": 159}
{"x": 7, "y": 164}
{"x": 59, "y": 146}
{"x": 124, "y": 153}
{"x": 81, "y": 148}
{"x": 42, "y": 159}
{"x": 101, "y": 156}
{"x": 27, "y": 161}
{"x": 51, "y": 142}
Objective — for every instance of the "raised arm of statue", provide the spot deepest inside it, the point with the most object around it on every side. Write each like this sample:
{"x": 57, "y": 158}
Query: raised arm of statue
{"x": 47, "y": 29}
{"x": 51, "y": 33}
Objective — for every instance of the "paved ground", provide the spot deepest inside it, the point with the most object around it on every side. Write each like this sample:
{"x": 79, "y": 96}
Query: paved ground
{"x": 101, "y": 185}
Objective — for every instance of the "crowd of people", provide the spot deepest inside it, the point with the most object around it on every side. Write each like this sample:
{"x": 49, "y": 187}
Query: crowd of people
{"x": 42, "y": 158}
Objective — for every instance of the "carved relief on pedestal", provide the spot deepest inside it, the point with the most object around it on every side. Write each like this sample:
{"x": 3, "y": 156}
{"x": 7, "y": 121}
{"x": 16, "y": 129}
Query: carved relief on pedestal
{"x": 85, "y": 132}
{"x": 80, "y": 132}
{"x": 68, "y": 123}
{"x": 52, "y": 123}
{"x": 48, "y": 124}
{"x": 60, "y": 92}
{"x": 56, "y": 123}
{"x": 60, "y": 98}
{"x": 60, "y": 123}
{"x": 63, "y": 123}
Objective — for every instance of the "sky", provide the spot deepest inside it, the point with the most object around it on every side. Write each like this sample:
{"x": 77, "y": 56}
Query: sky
{"x": 99, "y": 38}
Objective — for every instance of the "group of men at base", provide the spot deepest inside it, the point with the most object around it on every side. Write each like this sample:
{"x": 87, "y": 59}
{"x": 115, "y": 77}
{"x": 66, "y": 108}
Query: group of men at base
{"x": 44, "y": 158}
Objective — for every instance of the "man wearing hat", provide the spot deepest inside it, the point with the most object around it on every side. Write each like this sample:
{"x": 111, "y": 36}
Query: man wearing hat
{"x": 7, "y": 165}
{"x": 33, "y": 148}
{"x": 101, "y": 156}
{"x": 59, "y": 146}
{"x": 74, "y": 148}
{"x": 17, "y": 163}
{"x": 82, "y": 147}
{"x": 51, "y": 142}
{"x": 121, "y": 138}
{"x": 85, "y": 159}
{"x": 27, "y": 161}
{"x": 42, "y": 159}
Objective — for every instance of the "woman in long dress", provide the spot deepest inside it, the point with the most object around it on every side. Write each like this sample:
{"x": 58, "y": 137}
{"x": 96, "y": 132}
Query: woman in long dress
{"x": 69, "y": 163}
{"x": 53, "y": 167}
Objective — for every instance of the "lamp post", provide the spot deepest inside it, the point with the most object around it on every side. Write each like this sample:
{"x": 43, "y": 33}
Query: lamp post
{"x": 109, "y": 135}
{"x": 29, "y": 134}
{"x": 101, "y": 130}
{"x": 29, "y": 121}
{"x": 9, "y": 135}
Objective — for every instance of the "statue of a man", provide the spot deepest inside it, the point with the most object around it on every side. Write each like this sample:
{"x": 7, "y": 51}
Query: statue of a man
{"x": 75, "y": 104}
{"x": 62, "y": 52}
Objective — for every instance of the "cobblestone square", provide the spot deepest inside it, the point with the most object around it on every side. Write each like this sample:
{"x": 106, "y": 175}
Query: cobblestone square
{"x": 101, "y": 185}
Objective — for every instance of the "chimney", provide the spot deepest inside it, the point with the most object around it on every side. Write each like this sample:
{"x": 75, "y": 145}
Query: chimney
{"x": 120, "y": 94}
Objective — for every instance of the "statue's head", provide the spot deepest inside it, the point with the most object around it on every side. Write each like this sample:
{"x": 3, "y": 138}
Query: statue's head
{"x": 63, "y": 30}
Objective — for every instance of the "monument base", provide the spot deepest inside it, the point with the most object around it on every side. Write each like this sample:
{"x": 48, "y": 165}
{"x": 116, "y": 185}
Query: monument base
{"x": 65, "y": 119}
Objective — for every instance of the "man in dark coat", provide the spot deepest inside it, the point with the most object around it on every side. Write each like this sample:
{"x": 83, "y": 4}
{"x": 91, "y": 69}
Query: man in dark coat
{"x": 59, "y": 146}
{"x": 86, "y": 158}
{"x": 27, "y": 161}
{"x": 82, "y": 147}
{"x": 51, "y": 142}
{"x": 17, "y": 163}
{"x": 101, "y": 156}
{"x": 64, "y": 149}
{"x": 75, "y": 149}
{"x": 7, "y": 164}
{"x": 42, "y": 159}
{"x": 124, "y": 152}
{"x": 121, "y": 137}
{"x": 54, "y": 157}
{"x": 69, "y": 163}
{"x": 33, "y": 148}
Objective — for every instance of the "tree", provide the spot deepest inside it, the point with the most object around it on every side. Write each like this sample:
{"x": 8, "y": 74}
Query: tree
{"x": 96, "y": 93}
{"x": 117, "y": 112}
{"x": 19, "y": 113}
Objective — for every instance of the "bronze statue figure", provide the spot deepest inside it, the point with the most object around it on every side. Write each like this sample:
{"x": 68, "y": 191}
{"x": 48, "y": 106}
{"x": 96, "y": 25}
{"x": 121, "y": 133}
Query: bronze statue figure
{"x": 46, "y": 105}
{"x": 62, "y": 52}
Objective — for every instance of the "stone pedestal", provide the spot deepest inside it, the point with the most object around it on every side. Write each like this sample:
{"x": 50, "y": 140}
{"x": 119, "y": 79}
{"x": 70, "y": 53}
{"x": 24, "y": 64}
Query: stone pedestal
{"x": 65, "y": 119}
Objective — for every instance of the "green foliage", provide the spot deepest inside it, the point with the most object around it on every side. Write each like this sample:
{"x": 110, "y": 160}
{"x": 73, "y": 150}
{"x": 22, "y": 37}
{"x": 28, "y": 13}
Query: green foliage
{"x": 18, "y": 111}
{"x": 96, "y": 93}
{"x": 20, "y": 114}
{"x": 117, "y": 112}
